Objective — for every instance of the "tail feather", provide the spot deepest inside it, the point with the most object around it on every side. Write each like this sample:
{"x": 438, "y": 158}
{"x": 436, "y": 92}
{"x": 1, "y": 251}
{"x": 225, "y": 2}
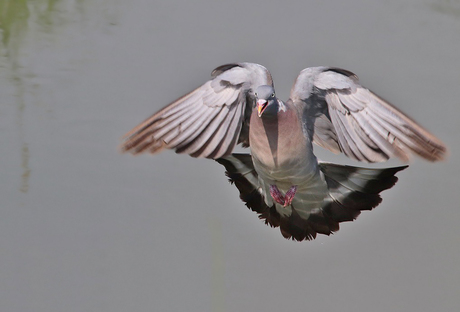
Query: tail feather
{"x": 364, "y": 180}
{"x": 354, "y": 189}
{"x": 351, "y": 190}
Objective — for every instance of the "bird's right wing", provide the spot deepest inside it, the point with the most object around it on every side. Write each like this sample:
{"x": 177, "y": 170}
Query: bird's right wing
{"x": 207, "y": 122}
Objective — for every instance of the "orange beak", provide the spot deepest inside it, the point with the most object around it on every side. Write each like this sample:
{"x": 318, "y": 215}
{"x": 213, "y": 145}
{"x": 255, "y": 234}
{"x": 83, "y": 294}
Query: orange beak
{"x": 261, "y": 105}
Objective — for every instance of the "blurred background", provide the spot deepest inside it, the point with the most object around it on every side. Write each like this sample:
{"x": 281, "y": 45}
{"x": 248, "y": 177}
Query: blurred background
{"x": 84, "y": 228}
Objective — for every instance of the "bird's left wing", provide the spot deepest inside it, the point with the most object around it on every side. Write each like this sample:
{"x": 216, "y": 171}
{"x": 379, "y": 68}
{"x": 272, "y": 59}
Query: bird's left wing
{"x": 343, "y": 116}
{"x": 207, "y": 122}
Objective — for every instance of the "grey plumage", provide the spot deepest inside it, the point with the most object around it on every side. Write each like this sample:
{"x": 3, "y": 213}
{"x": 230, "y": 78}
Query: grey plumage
{"x": 351, "y": 190}
{"x": 327, "y": 106}
{"x": 206, "y": 122}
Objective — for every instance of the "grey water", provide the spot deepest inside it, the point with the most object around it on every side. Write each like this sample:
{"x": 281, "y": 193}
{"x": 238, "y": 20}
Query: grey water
{"x": 85, "y": 228}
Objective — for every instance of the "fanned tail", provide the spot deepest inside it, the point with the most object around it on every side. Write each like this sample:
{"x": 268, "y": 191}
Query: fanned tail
{"x": 351, "y": 190}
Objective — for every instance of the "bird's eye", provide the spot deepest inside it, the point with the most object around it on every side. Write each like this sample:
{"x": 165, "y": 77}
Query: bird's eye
{"x": 255, "y": 93}
{"x": 273, "y": 94}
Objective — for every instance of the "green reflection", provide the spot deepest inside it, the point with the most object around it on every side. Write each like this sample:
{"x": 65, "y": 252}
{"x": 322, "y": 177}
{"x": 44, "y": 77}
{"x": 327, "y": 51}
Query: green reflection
{"x": 16, "y": 17}
{"x": 447, "y": 7}
{"x": 25, "y": 169}
{"x": 13, "y": 18}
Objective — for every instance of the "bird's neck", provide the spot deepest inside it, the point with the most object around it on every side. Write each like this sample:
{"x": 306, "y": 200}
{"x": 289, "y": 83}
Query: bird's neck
{"x": 278, "y": 139}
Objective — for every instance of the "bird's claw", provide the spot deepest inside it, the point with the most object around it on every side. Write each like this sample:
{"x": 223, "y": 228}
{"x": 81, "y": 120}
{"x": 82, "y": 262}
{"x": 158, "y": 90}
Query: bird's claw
{"x": 290, "y": 195}
{"x": 276, "y": 194}
{"x": 284, "y": 200}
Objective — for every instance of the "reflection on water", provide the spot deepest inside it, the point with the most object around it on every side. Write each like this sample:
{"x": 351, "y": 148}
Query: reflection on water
{"x": 13, "y": 18}
{"x": 13, "y": 24}
{"x": 39, "y": 39}
{"x": 17, "y": 17}
{"x": 25, "y": 167}
{"x": 448, "y": 7}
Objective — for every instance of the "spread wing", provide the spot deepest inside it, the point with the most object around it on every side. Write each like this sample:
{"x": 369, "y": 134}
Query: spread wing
{"x": 342, "y": 116}
{"x": 207, "y": 122}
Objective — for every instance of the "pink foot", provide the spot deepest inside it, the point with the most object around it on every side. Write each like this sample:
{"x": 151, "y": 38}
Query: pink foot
{"x": 290, "y": 195}
{"x": 276, "y": 194}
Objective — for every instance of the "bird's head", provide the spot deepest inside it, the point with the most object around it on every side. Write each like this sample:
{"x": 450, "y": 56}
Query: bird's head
{"x": 266, "y": 100}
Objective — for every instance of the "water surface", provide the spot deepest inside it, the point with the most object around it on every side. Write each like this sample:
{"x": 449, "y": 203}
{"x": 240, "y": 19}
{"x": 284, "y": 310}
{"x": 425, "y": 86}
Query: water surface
{"x": 84, "y": 228}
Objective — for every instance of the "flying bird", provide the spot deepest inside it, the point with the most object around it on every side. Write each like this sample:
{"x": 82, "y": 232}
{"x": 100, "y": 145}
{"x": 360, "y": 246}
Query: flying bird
{"x": 282, "y": 180}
